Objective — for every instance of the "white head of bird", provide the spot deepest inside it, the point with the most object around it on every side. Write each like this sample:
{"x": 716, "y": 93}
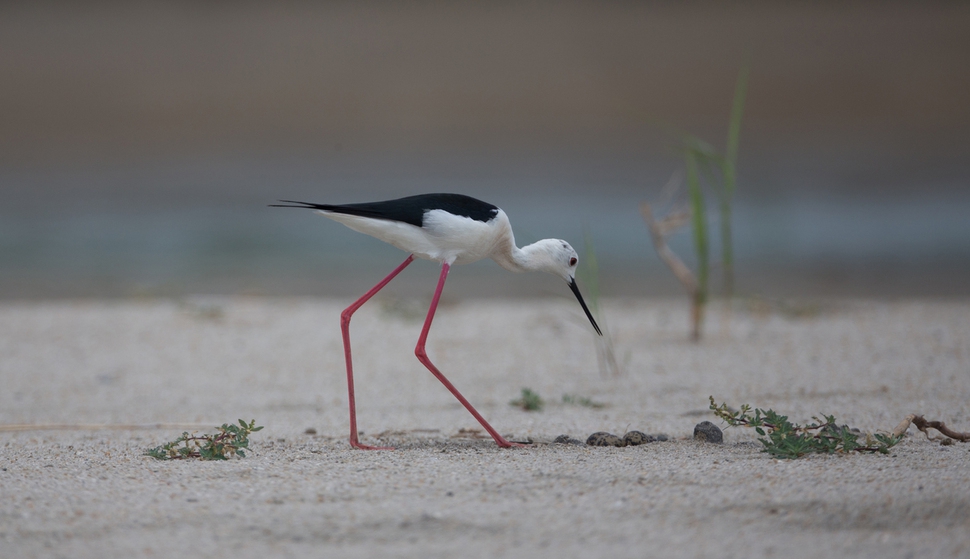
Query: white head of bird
{"x": 553, "y": 256}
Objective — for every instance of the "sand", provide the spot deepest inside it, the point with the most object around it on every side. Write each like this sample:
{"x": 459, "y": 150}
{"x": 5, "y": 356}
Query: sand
{"x": 446, "y": 491}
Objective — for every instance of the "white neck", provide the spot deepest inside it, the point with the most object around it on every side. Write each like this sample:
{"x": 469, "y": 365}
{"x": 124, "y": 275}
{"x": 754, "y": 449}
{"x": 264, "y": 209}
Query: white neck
{"x": 526, "y": 259}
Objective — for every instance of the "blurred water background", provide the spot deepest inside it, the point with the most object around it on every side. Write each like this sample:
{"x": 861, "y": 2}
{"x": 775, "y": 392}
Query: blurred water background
{"x": 140, "y": 143}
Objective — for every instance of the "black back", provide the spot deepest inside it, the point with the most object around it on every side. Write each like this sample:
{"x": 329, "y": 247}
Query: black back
{"x": 410, "y": 209}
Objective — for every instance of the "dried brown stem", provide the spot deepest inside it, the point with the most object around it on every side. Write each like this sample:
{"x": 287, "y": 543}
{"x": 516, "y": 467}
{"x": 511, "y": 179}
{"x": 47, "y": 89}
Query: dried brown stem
{"x": 903, "y": 425}
{"x": 658, "y": 234}
{"x": 922, "y": 424}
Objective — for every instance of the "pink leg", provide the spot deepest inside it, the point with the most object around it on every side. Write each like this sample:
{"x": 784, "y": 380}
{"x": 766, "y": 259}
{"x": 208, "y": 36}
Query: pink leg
{"x": 423, "y": 357}
{"x": 345, "y": 328}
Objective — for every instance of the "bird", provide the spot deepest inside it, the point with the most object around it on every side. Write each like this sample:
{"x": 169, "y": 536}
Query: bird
{"x": 449, "y": 229}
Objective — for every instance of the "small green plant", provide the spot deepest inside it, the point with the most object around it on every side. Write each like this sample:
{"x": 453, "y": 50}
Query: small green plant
{"x": 704, "y": 166}
{"x": 230, "y": 440}
{"x": 783, "y": 439}
{"x": 581, "y": 401}
{"x": 698, "y": 215}
{"x": 529, "y": 401}
{"x": 720, "y": 172}
{"x": 729, "y": 166}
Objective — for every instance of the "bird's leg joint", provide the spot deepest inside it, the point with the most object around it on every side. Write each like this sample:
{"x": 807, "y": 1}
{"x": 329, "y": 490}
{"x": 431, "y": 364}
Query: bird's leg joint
{"x": 346, "y": 315}
{"x": 421, "y": 354}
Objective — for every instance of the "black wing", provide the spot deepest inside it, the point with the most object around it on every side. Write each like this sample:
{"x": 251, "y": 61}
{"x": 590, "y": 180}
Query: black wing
{"x": 410, "y": 209}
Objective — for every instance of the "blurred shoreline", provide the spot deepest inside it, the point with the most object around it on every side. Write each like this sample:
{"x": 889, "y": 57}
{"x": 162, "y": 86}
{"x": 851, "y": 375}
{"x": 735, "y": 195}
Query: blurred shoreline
{"x": 798, "y": 246}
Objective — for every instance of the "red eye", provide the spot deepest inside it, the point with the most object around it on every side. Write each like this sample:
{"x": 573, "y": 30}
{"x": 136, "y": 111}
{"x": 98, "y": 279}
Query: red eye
{"x": 572, "y": 261}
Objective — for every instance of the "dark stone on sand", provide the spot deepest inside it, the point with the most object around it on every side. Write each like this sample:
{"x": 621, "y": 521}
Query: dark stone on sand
{"x": 634, "y": 438}
{"x": 566, "y": 439}
{"x": 705, "y": 431}
{"x": 602, "y": 438}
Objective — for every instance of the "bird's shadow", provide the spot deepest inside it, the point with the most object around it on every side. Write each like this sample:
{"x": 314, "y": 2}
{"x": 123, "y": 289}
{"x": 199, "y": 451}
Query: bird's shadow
{"x": 461, "y": 442}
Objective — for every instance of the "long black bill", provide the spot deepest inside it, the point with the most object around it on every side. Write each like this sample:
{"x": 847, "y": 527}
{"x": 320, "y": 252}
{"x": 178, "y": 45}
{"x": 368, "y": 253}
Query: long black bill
{"x": 575, "y": 288}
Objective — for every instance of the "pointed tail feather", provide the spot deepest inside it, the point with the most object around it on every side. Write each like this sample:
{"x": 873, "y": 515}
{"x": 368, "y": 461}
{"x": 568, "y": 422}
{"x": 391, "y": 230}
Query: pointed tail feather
{"x": 304, "y": 205}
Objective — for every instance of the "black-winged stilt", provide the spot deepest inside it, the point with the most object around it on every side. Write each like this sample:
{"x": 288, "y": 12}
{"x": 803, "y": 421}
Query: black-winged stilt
{"x": 451, "y": 229}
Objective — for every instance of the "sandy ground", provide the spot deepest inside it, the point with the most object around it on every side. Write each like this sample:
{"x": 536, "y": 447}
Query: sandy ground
{"x": 444, "y": 492}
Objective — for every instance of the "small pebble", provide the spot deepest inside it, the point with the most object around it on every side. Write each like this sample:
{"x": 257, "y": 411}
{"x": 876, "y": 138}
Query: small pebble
{"x": 603, "y": 438}
{"x": 310, "y": 431}
{"x": 705, "y": 431}
{"x": 566, "y": 439}
{"x": 634, "y": 438}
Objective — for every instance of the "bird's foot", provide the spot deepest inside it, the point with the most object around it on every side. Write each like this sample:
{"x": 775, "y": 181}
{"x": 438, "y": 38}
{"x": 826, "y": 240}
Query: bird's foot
{"x": 509, "y": 444}
{"x": 356, "y": 444}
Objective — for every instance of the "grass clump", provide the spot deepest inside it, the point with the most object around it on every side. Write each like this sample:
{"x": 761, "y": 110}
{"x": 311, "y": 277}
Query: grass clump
{"x": 783, "y": 439}
{"x": 707, "y": 170}
{"x": 720, "y": 173}
{"x": 529, "y": 401}
{"x": 230, "y": 440}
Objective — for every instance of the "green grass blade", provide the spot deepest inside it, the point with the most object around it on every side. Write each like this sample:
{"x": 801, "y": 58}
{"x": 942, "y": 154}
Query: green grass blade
{"x": 729, "y": 172}
{"x": 699, "y": 222}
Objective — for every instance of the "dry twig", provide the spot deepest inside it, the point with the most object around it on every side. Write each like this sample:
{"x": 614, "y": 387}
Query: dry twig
{"x": 922, "y": 424}
{"x": 659, "y": 229}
